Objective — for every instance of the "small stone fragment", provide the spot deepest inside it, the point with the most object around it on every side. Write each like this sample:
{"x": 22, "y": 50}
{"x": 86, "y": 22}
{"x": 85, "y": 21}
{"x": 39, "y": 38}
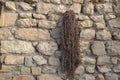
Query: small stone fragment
{"x": 104, "y": 69}
{"x": 40, "y": 60}
{"x": 76, "y": 8}
{"x": 87, "y": 34}
{"x": 54, "y": 61}
{"x": 90, "y": 68}
{"x": 86, "y": 23}
{"x": 25, "y": 6}
{"x": 98, "y": 48}
{"x": 47, "y": 48}
{"x": 103, "y": 60}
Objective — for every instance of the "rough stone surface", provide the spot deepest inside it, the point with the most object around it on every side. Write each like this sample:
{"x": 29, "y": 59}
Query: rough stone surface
{"x": 25, "y": 6}
{"x": 98, "y": 48}
{"x": 113, "y": 47}
{"x": 40, "y": 60}
{"x": 49, "y": 76}
{"x": 111, "y": 76}
{"x": 87, "y": 34}
{"x": 49, "y": 69}
{"x": 11, "y": 59}
{"x": 102, "y": 60}
{"x": 26, "y": 23}
{"x": 114, "y": 23}
{"x": 36, "y": 70}
{"x": 88, "y": 9}
{"x": 104, "y": 69}
{"x": 104, "y": 8}
{"x": 88, "y": 60}
{"x": 24, "y": 77}
{"x": 5, "y": 76}
{"x": 117, "y": 68}
{"x": 16, "y": 47}
{"x": 47, "y": 24}
{"x": 79, "y": 70}
{"x": 103, "y": 35}
{"x": 28, "y": 61}
{"x": 7, "y": 19}
{"x": 25, "y": 70}
{"x": 5, "y": 34}
{"x": 32, "y": 34}
{"x": 54, "y": 61}
{"x": 86, "y": 23}
{"x": 76, "y": 8}
{"x": 47, "y": 48}
{"x": 90, "y": 68}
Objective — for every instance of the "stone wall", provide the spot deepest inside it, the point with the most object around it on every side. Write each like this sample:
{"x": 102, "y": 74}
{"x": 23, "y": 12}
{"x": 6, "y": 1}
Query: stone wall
{"x": 30, "y": 39}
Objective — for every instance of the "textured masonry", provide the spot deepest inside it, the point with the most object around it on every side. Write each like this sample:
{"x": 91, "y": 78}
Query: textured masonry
{"x": 30, "y": 39}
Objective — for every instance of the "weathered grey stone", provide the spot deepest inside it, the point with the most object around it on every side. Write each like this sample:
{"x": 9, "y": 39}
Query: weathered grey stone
{"x": 79, "y": 70}
{"x": 88, "y": 60}
{"x": 11, "y": 5}
{"x": 25, "y": 15}
{"x": 49, "y": 77}
{"x": 113, "y": 48}
{"x": 103, "y": 35}
{"x": 16, "y": 46}
{"x": 60, "y": 8}
{"x": 114, "y": 23}
{"x": 55, "y": 1}
{"x": 66, "y": 1}
{"x": 36, "y": 70}
{"x": 47, "y": 24}
{"x": 98, "y": 48}
{"x": 56, "y": 33}
{"x": 23, "y": 77}
{"x": 111, "y": 76}
{"x": 49, "y": 69}
{"x": 12, "y": 59}
{"x": 26, "y": 22}
{"x": 97, "y": 18}
{"x": 43, "y": 10}
{"x": 83, "y": 17}
{"x": 47, "y": 48}
{"x": 76, "y": 8}
{"x": 88, "y": 8}
{"x": 53, "y": 17}
{"x": 104, "y": 8}
{"x": 88, "y": 77}
{"x": 40, "y": 60}
{"x": 84, "y": 45}
{"x": 25, "y": 70}
{"x": 32, "y": 34}
{"x": 8, "y": 19}
{"x": 86, "y": 23}
{"x": 39, "y": 16}
{"x": 114, "y": 60}
{"x": 25, "y": 6}
{"x": 54, "y": 61}
{"x": 116, "y": 34}
{"x": 116, "y": 68}
{"x": 5, "y": 76}
{"x": 100, "y": 25}
{"x": 28, "y": 61}
{"x": 5, "y": 34}
{"x": 87, "y": 34}
{"x": 102, "y": 60}
{"x": 90, "y": 68}
{"x": 104, "y": 69}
